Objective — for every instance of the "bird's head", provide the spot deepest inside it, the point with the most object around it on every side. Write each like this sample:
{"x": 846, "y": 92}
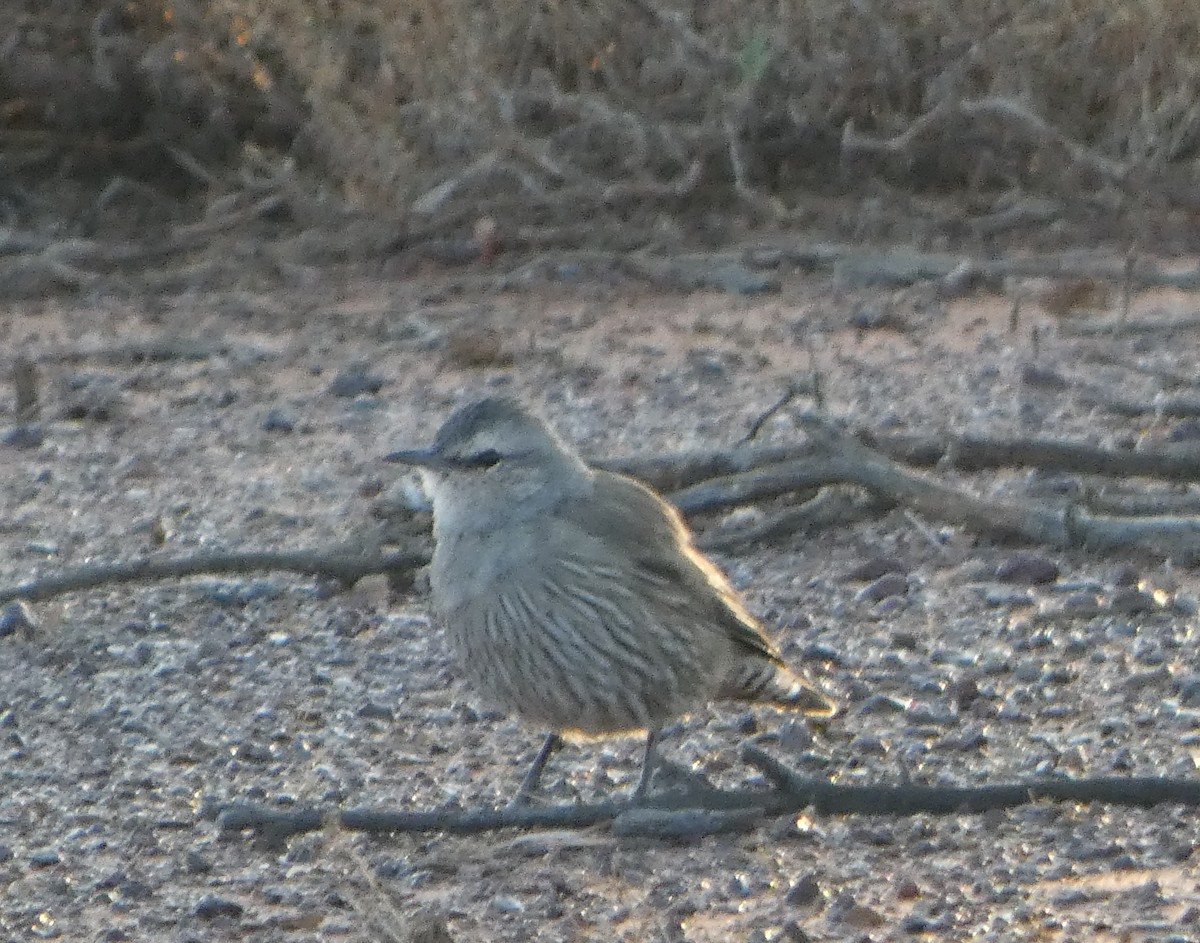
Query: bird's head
{"x": 494, "y": 454}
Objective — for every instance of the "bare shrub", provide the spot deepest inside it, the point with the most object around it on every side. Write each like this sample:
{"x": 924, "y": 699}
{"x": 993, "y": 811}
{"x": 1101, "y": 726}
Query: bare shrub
{"x": 558, "y": 110}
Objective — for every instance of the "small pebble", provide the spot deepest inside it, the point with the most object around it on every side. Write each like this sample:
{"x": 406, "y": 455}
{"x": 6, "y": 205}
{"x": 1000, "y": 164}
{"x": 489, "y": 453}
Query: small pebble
{"x": 16, "y": 617}
{"x": 374, "y": 711}
{"x": 278, "y": 420}
{"x": 1122, "y": 760}
{"x": 821, "y": 652}
{"x": 210, "y": 906}
{"x": 873, "y": 568}
{"x": 1145, "y": 679}
{"x": 1043, "y": 378}
{"x": 1010, "y": 710}
{"x": 1132, "y": 602}
{"x": 251, "y": 753}
{"x": 973, "y": 738}
{"x": 44, "y": 858}
{"x": 709, "y": 366}
{"x": 24, "y": 436}
{"x": 1111, "y": 725}
{"x": 354, "y": 381}
{"x": 478, "y": 347}
{"x": 1028, "y": 671}
{"x": 1027, "y": 570}
{"x": 962, "y": 692}
{"x": 905, "y": 641}
{"x": 1185, "y": 604}
{"x": 869, "y": 317}
{"x": 885, "y": 587}
{"x": 804, "y": 892}
{"x": 907, "y": 891}
{"x": 862, "y": 918}
{"x": 1124, "y": 574}
{"x": 1006, "y": 598}
{"x": 795, "y": 737}
{"x": 1149, "y": 652}
{"x": 1081, "y": 602}
{"x": 1073, "y": 759}
{"x": 866, "y": 744}
{"x": 926, "y": 716}
{"x": 889, "y": 606}
{"x": 736, "y": 279}
{"x": 1186, "y": 430}
{"x": 880, "y": 704}
{"x": 1188, "y": 690}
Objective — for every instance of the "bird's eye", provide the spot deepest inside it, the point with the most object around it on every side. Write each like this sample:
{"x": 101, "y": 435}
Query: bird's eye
{"x": 485, "y": 459}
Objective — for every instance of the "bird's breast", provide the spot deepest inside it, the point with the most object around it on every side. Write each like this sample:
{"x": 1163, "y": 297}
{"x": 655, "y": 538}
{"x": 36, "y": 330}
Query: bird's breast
{"x": 468, "y": 567}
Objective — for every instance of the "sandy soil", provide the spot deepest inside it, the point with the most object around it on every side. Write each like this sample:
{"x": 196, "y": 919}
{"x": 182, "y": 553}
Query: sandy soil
{"x": 132, "y": 712}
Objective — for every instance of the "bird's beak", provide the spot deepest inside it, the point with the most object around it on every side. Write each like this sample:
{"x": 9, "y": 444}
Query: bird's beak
{"x": 422, "y": 458}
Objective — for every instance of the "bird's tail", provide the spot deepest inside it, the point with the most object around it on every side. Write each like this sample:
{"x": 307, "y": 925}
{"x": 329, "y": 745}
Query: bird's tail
{"x": 768, "y": 681}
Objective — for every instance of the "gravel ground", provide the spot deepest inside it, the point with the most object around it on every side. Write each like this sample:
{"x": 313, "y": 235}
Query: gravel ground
{"x": 131, "y": 712}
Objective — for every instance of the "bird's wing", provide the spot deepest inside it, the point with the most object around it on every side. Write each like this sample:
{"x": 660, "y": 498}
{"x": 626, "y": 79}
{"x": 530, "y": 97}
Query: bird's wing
{"x": 657, "y": 546}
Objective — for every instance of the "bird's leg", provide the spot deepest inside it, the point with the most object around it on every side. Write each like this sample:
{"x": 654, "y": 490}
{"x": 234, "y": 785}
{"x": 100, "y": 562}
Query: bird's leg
{"x": 649, "y": 764}
{"x": 534, "y": 776}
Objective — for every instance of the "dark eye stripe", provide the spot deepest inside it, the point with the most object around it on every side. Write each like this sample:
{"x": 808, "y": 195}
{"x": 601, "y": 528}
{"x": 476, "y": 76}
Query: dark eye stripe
{"x": 485, "y": 459}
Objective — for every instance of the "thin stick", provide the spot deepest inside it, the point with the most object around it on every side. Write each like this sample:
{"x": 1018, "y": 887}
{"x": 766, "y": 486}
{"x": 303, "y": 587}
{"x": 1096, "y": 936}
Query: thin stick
{"x": 347, "y": 568}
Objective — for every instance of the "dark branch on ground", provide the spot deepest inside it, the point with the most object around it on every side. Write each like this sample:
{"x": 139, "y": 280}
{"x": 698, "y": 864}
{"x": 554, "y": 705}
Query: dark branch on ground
{"x": 689, "y": 814}
{"x": 702, "y": 482}
{"x": 674, "y": 471}
{"x": 347, "y": 568}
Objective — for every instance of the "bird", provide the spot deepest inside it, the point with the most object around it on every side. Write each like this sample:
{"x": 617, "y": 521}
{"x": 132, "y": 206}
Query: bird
{"x": 575, "y": 598}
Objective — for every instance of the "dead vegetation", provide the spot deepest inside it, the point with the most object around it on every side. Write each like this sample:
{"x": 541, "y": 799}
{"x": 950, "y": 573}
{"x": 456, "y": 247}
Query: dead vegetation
{"x": 384, "y": 125}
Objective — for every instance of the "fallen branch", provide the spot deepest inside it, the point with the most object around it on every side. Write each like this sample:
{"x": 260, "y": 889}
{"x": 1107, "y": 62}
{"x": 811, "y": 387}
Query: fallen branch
{"x": 1116, "y": 326}
{"x": 701, "y": 482}
{"x": 980, "y": 453}
{"x": 165, "y": 348}
{"x": 1170, "y": 379}
{"x": 98, "y": 253}
{"x": 828, "y": 507}
{"x": 673, "y": 471}
{"x": 687, "y": 273}
{"x": 858, "y": 265}
{"x": 675, "y": 815}
{"x": 798, "y": 792}
{"x": 45, "y": 263}
{"x": 347, "y": 568}
{"x": 670, "y": 471}
{"x": 1176, "y": 407}
{"x": 1127, "y": 504}
{"x": 1012, "y": 114}
{"x": 838, "y": 457}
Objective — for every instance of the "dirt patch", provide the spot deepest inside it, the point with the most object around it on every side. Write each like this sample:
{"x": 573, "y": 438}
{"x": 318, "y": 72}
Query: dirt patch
{"x": 133, "y": 712}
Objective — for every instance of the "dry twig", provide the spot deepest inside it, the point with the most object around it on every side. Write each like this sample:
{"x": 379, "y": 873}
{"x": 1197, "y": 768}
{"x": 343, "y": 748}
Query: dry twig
{"x": 676, "y": 814}
{"x": 1013, "y": 115}
{"x": 838, "y": 457}
{"x": 347, "y": 568}
{"x": 701, "y": 482}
